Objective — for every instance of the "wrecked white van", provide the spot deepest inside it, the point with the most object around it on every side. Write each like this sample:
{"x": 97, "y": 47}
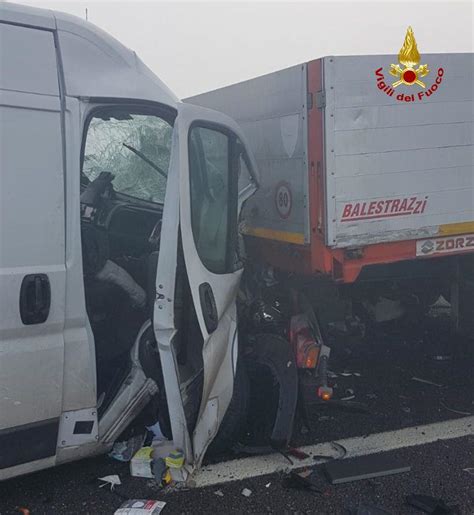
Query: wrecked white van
{"x": 119, "y": 251}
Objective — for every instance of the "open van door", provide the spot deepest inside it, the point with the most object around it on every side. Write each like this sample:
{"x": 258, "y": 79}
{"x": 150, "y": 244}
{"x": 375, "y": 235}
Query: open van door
{"x": 200, "y": 231}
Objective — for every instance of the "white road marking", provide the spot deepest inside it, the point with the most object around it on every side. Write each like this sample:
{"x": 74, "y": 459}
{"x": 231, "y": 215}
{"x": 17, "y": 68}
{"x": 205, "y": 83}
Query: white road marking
{"x": 255, "y": 466}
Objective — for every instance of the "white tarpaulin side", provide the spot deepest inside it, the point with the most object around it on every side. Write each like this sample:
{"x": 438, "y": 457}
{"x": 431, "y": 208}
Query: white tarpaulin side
{"x": 399, "y": 160}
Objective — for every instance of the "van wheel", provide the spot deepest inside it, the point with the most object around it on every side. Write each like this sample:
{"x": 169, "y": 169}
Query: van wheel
{"x": 233, "y": 424}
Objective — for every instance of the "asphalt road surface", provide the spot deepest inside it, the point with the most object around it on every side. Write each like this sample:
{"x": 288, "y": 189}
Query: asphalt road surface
{"x": 436, "y": 469}
{"x": 384, "y": 382}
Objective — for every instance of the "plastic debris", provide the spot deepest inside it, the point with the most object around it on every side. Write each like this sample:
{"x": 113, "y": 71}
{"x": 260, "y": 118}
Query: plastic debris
{"x": 158, "y": 435}
{"x": 175, "y": 459}
{"x": 140, "y": 507}
{"x": 469, "y": 470}
{"x": 340, "y": 449}
{"x": 141, "y": 465}
{"x": 296, "y": 481}
{"x": 349, "y": 395}
{"x": 159, "y": 469}
{"x": 452, "y": 410}
{"x": 426, "y": 381}
{"x": 219, "y": 493}
{"x": 124, "y": 451}
{"x": 246, "y": 492}
{"x": 112, "y": 480}
{"x": 363, "y": 467}
{"x": 268, "y": 485}
{"x": 23, "y": 510}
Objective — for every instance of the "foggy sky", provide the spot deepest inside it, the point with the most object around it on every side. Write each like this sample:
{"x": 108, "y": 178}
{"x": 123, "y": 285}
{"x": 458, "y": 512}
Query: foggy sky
{"x": 198, "y": 46}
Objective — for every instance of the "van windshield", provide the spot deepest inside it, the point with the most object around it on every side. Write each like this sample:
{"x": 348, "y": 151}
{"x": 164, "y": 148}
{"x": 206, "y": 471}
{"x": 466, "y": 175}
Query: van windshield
{"x": 135, "y": 148}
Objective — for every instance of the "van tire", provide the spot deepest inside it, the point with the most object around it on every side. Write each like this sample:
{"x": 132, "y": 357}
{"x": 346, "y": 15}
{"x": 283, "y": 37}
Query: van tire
{"x": 233, "y": 424}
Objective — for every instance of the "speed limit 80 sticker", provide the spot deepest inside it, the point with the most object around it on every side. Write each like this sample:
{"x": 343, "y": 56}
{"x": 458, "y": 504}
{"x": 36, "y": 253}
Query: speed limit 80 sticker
{"x": 283, "y": 199}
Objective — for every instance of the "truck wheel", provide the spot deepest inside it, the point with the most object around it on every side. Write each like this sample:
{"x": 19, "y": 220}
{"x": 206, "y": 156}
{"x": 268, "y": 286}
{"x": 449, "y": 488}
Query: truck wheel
{"x": 275, "y": 354}
{"x": 233, "y": 424}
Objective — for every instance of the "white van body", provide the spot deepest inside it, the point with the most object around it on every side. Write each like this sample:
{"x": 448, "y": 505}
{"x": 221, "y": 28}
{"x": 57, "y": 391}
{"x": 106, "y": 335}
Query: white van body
{"x": 56, "y": 72}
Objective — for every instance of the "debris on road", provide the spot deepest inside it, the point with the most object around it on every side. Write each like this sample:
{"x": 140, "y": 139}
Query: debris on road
{"x": 349, "y": 395}
{"x": 159, "y": 469}
{"x": 158, "y": 435}
{"x": 429, "y": 504}
{"x": 363, "y": 467}
{"x": 124, "y": 451}
{"x": 294, "y": 480}
{"x": 140, "y": 507}
{"x": 452, "y": 410}
{"x": 175, "y": 459}
{"x": 141, "y": 464}
{"x": 349, "y": 374}
{"x": 442, "y": 357}
{"x": 341, "y": 453}
{"x": 175, "y": 463}
{"x": 219, "y": 493}
{"x": 426, "y": 381}
{"x": 112, "y": 480}
{"x": 246, "y": 492}
{"x": 469, "y": 470}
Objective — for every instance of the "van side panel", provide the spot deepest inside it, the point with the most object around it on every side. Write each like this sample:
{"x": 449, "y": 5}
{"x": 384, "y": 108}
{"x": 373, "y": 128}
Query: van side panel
{"x": 28, "y": 60}
{"x": 32, "y": 245}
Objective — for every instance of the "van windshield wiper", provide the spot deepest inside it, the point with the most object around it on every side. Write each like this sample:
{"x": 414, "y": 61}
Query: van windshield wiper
{"x": 148, "y": 161}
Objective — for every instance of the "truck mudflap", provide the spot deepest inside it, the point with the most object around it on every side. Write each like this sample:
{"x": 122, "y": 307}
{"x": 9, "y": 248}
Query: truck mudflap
{"x": 273, "y": 351}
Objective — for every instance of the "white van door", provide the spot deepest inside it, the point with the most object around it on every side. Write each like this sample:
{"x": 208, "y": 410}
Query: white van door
{"x": 32, "y": 250}
{"x": 201, "y": 217}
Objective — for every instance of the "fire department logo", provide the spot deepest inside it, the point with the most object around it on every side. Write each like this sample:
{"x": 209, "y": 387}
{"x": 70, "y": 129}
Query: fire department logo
{"x": 408, "y": 72}
{"x": 409, "y": 57}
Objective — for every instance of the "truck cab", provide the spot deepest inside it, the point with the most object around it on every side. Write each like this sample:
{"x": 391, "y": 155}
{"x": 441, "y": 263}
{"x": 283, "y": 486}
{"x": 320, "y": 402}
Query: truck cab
{"x": 119, "y": 248}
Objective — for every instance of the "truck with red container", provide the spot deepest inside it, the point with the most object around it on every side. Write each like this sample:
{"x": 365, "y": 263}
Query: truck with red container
{"x": 366, "y": 202}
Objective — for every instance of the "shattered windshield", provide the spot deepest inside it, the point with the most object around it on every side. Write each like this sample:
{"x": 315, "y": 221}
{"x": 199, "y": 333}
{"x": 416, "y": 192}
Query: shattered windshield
{"x": 135, "y": 148}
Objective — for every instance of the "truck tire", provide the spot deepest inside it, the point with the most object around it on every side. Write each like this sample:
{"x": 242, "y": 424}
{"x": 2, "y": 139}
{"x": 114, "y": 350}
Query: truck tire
{"x": 233, "y": 424}
{"x": 274, "y": 352}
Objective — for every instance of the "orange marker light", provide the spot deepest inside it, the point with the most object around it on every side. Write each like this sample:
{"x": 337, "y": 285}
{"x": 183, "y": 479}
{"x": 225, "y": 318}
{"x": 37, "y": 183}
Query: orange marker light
{"x": 325, "y": 393}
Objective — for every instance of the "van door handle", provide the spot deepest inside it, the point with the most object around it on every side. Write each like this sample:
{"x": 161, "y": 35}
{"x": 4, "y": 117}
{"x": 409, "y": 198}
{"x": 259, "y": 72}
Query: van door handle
{"x": 35, "y": 299}
{"x": 208, "y": 306}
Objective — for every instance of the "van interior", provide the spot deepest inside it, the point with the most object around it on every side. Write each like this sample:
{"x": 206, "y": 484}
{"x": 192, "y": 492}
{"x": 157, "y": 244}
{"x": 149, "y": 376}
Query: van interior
{"x": 125, "y": 161}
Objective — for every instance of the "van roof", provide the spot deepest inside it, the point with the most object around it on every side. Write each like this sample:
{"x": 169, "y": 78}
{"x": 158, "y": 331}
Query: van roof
{"x": 95, "y": 64}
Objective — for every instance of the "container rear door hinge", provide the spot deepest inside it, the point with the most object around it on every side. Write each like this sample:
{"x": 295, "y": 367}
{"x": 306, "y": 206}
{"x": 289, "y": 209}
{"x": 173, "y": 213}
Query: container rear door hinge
{"x": 321, "y": 99}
